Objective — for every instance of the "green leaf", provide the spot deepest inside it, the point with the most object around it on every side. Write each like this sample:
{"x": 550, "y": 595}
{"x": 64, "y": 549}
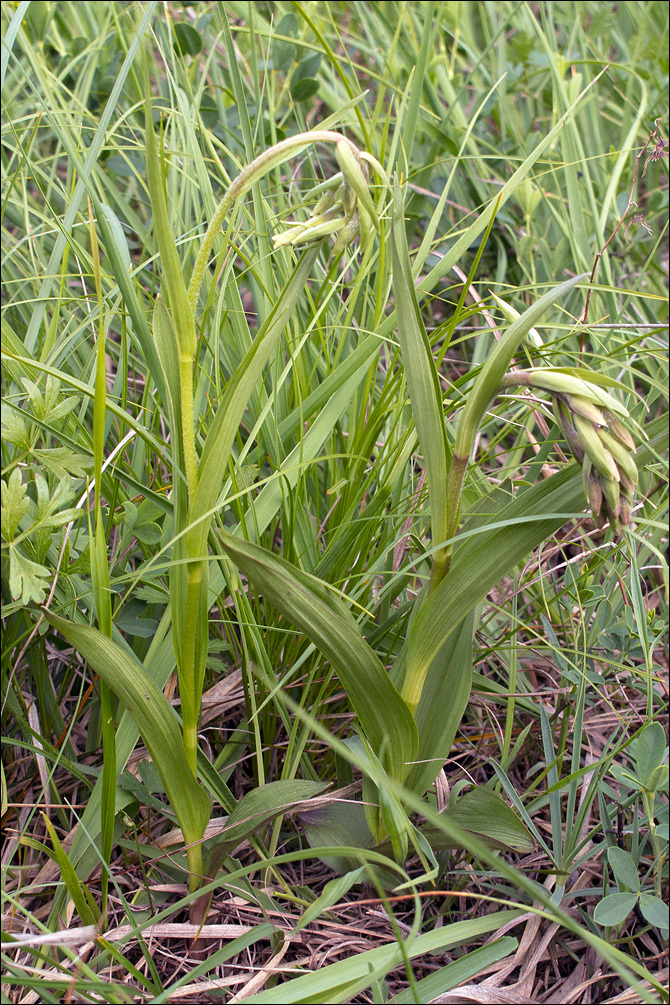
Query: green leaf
{"x": 657, "y": 781}
{"x": 223, "y": 430}
{"x": 650, "y": 751}
{"x": 165, "y": 340}
{"x": 484, "y": 814}
{"x": 148, "y": 533}
{"x": 454, "y": 974}
{"x": 321, "y": 615}
{"x": 654, "y": 910}
{"x": 304, "y": 89}
{"x": 37, "y": 18}
{"x": 154, "y": 716}
{"x": 614, "y": 909}
{"x": 15, "y": 502}
{"x": 257, "y": 809}
{"x": 118, "y": 258}
{"x": 81, "y": 897}
{"x": 173, "y": 277}
{"x": 624, "y": 868}
{"x": 423, "y": 383}
{"x": 488, "y": 380}
{"x": 341, "y": 981}
{"x": 209, "y": 111}
{"x": 14, "y": 429}
{"x": 341, "y": 824}
{"x": 116, "y": 231}
{"x": 188, "y": 41}
{"x": 444, "y": 698}
{"x": 63, "y": 462}
{"x": 308, "y": 67}
{"x": 283, "y": 52}
{"x": 332, "y": 892}
{"x": 495, "y": 548}
{"x": 144, "y": 794}
{"x": 145, "y": 628}
{"x": 27, "y": 579}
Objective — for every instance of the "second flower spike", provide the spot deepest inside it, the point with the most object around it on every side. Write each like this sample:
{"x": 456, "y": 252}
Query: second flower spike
{"x": 591, "y": 420}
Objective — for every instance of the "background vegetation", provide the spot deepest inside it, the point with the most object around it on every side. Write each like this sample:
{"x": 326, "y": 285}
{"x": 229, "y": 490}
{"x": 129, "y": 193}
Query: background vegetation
{"x": 559, "y": 110}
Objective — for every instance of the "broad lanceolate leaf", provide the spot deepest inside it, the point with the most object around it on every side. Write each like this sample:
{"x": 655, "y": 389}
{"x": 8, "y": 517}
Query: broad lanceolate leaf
{"x": 189, "y": 580}
{"x": 484, "y": 814}
{"x": 173, "y": 277}
{"x": 118, "y": 257}
{"x": 444, "y": 698}
{"x": 165, "y": 340}
{"x": 155, "y": 718}
{"x": 257, "y": 808}
{"x": 304, "y": 600}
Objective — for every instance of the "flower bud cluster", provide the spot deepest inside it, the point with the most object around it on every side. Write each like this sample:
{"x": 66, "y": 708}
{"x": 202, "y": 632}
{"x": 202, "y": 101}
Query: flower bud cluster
{"x": 344, "y": 210}
{"x": 591, "y": 421}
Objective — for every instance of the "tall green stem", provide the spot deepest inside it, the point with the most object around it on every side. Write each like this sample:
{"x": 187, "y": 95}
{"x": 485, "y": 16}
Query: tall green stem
{"x": 188, "y": 424}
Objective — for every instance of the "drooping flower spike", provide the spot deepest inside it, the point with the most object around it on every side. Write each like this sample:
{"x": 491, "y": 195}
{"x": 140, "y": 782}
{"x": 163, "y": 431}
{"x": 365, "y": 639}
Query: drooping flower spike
{"x": 345, "y": 209}
{"x": 591, "y": 420}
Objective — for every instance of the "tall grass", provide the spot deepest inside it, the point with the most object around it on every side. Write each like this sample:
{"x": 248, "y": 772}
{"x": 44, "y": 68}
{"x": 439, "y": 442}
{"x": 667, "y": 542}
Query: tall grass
{"x": 284, "y": 510}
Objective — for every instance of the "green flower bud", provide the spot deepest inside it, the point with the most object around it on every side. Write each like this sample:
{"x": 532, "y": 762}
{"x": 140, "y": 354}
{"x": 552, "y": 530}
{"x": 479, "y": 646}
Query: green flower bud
{"x": 289, "y": 236}
{"x": 621, "y": 455}
{"x": 627, "y": 486}
{"x": 582, "y": 406}
{"x": 326, "y": 202}
{"x": 582, "y": 410}
{"x": 601, "y": 458}
{"x": 346, "y": 234}
{"x": 364, "y": 226}
{"x": 592, "y": 488}
{"x": 326, "y": 185}
{"x": 612, "y": 495}
{"x": 349, "y": 200}
{"x": 563, "y": 419}
{"x": 619, "y": 431}
{"x": 356, "y": 176}
{"x": 322, "y": 229}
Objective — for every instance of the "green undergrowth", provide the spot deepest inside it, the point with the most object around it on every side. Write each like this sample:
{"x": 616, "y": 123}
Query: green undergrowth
{"x": 303, "y": 604}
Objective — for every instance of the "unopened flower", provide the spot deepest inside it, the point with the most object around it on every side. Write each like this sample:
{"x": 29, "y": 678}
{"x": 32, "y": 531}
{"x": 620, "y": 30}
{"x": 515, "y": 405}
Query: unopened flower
{"x": 590, "y": 419}
{"x": 344, "y": 208}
